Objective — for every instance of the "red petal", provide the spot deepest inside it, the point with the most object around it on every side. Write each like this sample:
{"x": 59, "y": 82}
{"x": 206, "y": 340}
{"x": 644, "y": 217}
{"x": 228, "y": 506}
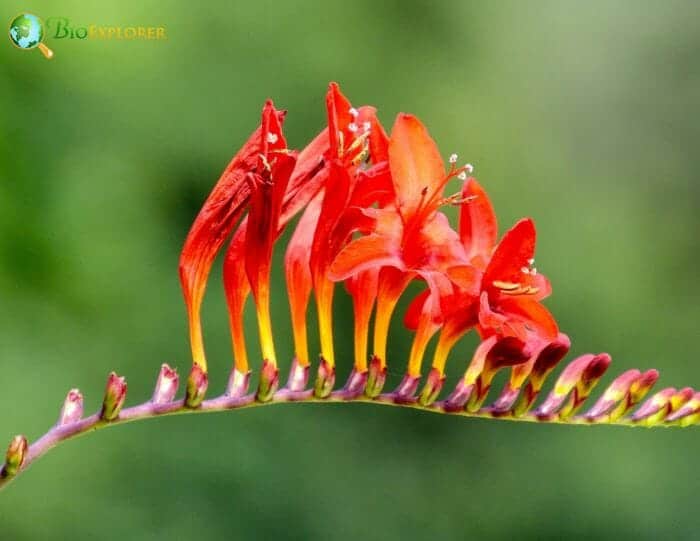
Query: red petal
{"x": 416, "y": 165}
{"x": 533, "y": 314}
{"x": 512, "y": 254}
{"x": 478, "y": 227}
{"x": 415, "y": 309}
{"x": 362, "y": 254}
{"x": 263, "y": 218}
{"x": 339, "y": 118}
{"x": 213, "y": 224}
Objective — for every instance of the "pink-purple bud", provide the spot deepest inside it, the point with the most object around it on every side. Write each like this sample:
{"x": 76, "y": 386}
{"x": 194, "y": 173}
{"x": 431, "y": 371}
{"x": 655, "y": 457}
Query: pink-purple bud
{"x": 355, "y": 384}
{"x": 298, "y": 376}
{"x": 325, "y": 379}
{"x": 269, "y": 381}
{"x": 166, "y": 385}
{"x": 405, "y": 392}
{"x": 238, "y": 383}
{"x": 197, "y": 384}
{"x": 115, "y": 394}
{"x": 431, "y": 389}
{"x": 15, "y": 456}
{"x": 72, "y": 410}
{"x": 457, "y": 400}
{"x": 376, "y": 377}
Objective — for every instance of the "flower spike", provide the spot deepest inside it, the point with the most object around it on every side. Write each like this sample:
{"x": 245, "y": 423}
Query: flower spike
{"x": 371, "y": 219}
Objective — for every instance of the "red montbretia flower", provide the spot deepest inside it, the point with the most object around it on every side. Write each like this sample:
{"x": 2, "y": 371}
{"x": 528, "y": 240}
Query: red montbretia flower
{"x": 373, "y": 219}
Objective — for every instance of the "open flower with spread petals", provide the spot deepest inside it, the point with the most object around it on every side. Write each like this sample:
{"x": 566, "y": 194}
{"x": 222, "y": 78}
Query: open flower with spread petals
{"x": 411, "y": 237}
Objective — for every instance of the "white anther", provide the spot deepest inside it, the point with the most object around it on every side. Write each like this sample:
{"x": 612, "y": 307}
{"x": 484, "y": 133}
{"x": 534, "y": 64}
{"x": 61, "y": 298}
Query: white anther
{"x": 462, "y": 176}
{"x": 453, "y": 158}
{"x": 354, "y": 112}
{"x": 366, "y": 125}
{"x": 525, "y": 270}
{"x": 469, "y": 168}
{"x": 533, "y": 271}
{"x": 352, "y": 127}
{"x": 531, "y": 261}
{"x": 272, "y": 138}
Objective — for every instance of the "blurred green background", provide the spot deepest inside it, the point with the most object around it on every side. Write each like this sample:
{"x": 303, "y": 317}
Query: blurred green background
{"x": 583, "y": 115}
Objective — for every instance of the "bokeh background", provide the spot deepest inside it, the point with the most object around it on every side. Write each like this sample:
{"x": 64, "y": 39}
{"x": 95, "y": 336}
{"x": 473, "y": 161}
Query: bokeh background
{"x": 583, "y": 115}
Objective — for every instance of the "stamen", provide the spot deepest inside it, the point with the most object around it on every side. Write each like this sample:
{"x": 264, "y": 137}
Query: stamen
{"x": 354, "y": 112}
{"x": 469, "y": 168}
{"x": 272, "y": 138}
{"x": 462, "y": 176}
{"x": 453, "y": 158}
{"x": 505, "y": 286}
{"x": 525, "y": 270}
{"x": 352, "y": 127}
{"x": 531, "y": 261}
{"x": 367, "y": 125}
{"x": 533, "y": 271}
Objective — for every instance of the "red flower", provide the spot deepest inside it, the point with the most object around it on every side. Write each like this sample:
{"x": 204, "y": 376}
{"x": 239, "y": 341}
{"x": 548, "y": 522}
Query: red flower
{"x": 214, "y": 223}
{"x": 329, "y": 220}
{"x": 410, "y": 237}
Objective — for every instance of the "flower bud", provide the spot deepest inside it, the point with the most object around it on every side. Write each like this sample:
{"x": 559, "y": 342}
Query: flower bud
{"x": 115, "y": 394}
{"x": 269, "y": 381}
{"x": 376, "y": 377}
{"x": 458, "y": 399}
{"x": 406, "y": 390}
{"x": 166, "y": 385}
{"x": 325, "y": 379}
{"x": 298, "y": 376}
{"x": 197, "y": 384}
{"x": 432, "y": 388}
{"x": 238, "y": 383}
{"x": 16, "y": 454}
{"x": 72, "y": 410}
{"x": 355, "y": 384}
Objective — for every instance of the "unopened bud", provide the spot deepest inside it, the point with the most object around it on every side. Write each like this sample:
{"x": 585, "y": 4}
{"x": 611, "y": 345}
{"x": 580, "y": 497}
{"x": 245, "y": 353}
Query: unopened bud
{"x": 166, "y": 385}
{"x": 72, "y": 410}
{"x": 16, "y": 454}
{"x": 458, "y": 399}
{"x": 197, "y": 384}
{"x": 238, "y": 383}
{"x": 115, "y": 394}
{"x": 325, "y": 379}
{"x": 355, "y": 384}
{"x": 269, "y": 381}
{"x": 376, "y": 377}
{"x": 406, "y": 390}
{"x": 298, "y": 376}
{"x": 432, "y": 388}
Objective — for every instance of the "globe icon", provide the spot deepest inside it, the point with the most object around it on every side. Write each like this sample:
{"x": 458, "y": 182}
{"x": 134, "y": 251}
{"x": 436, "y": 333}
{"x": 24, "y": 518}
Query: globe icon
{"x": 27, "y": 31}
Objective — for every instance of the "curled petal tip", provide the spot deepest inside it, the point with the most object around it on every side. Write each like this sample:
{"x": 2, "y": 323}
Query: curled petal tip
{"x": 197, "y": 384}
{"x": 72, "y": 410}
{"x": 115, "y": 394}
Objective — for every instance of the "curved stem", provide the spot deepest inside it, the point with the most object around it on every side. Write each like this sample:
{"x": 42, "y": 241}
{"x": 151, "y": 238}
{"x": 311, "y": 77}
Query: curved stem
{"x": 149, "y": 410}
